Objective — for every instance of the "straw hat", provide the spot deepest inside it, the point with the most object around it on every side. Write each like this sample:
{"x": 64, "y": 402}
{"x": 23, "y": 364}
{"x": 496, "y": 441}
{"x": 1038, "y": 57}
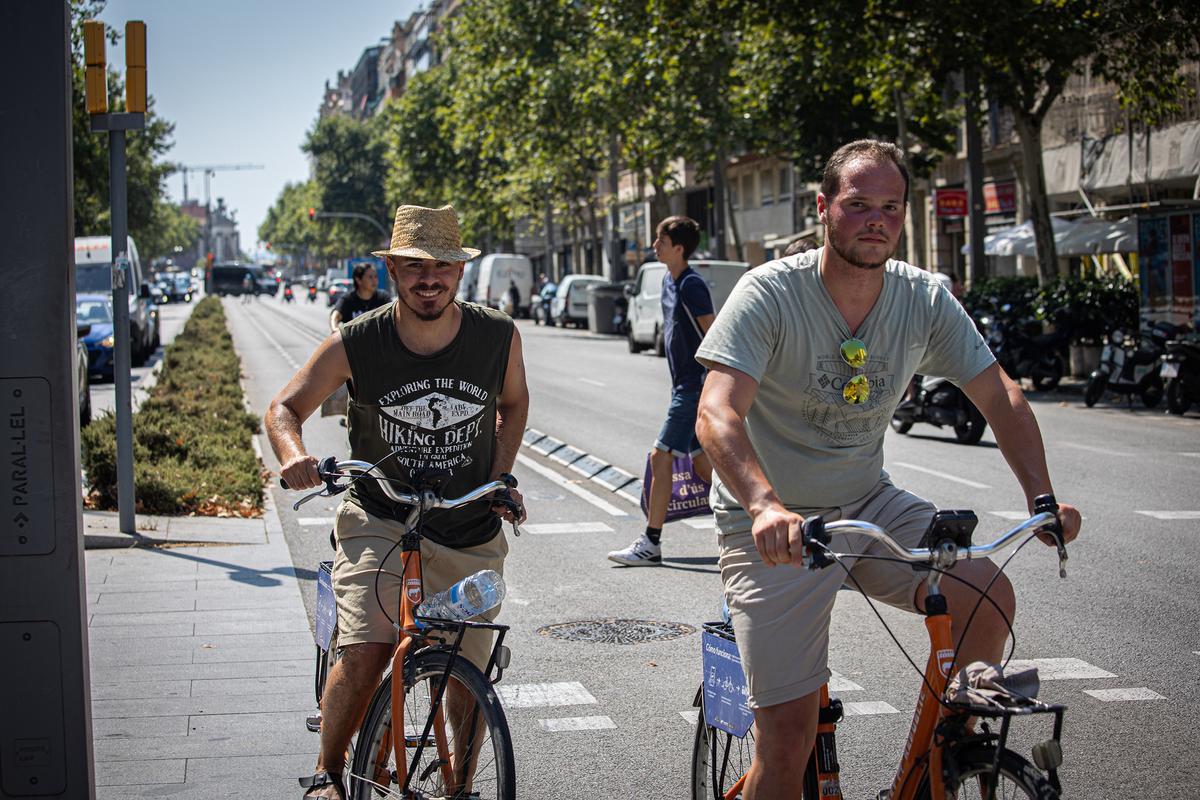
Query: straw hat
{"x": 427, "y": 233}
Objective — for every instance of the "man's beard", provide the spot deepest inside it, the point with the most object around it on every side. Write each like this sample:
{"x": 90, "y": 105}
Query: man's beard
{"x": 848, "y": 255}
{"x": 425, "y": 316}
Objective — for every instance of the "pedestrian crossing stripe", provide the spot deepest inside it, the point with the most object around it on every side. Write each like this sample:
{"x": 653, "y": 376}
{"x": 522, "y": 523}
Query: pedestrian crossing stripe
{"x": 839, "y": 683}
{"x": 1169, "y": 516}
{"x": 576, "y": 724}
{"x": 1059, "y": 669}
{"x": 701, "y": 523}
{"x": 691, "y": 716}
{"x": 1111, "y": 695}
{"x": 533, "y": 695}
{"x": 1016, "y": 516}
{"x": 868, "y": 708}
{"x": 566, "y": 527}
{"x": 312, "y": 522}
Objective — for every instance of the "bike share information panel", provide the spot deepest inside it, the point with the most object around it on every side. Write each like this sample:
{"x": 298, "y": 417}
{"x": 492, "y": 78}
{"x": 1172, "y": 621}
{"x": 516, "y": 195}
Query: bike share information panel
{"x": 326, "y": 605}
{"x": 726, "y": 695}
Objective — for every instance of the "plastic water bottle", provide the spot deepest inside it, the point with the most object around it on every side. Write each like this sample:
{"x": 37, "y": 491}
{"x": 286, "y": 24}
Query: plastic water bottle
{"x": 725, "y": 610}
{"x": 470, "y": 597}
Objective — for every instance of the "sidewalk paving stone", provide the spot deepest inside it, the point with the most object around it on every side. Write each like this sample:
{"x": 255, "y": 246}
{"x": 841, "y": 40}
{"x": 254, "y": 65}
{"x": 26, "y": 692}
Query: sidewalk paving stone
{"x": 138, "y": 773}
{"x": 194, "y": 672}
{"x": 122, "y": 633}
{"x": 204, "y": 746}
{"x": 141, "y": 690}
{"x": 245, "y": 725}
{"x": 226, "y": 687}
{"x": 139, "y": 727}
{"x": 292, "y": 700}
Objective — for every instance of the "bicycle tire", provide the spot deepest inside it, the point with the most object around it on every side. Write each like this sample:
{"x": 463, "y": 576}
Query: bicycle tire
{"x": 710, "y": 747}
{"x": 1018, "y": 778}
{"x": 495, "y": 777}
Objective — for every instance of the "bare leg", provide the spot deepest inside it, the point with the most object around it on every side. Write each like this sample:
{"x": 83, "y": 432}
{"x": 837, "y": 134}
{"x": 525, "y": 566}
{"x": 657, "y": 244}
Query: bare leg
{"x": 348, "y": 689}
{"x": 460, "y": 708}
{"x": 660, "y": 487}
{"x": 984, "y": 640}
{"x": 783, "y": 739}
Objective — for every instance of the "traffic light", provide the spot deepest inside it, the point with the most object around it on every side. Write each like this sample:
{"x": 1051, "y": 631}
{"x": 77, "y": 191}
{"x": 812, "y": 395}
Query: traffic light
{"x": 93, "y": 49}
{"x": 312, "y": 214}
{"x": 135, "y": 66}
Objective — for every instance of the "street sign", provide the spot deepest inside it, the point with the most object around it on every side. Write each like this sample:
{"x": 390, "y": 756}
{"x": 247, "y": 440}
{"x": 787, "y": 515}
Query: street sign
{"x": 951, "y": 202}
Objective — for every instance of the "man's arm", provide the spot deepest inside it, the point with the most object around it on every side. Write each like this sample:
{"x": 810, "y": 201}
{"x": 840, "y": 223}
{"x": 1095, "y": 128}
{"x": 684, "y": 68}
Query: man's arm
{"x": 512, "y": 411}
{"x": 1004, "y": 406}
{"x": 335, "y": 318}
{"x": 327, "y": 369}
{"x": 720, "y": 426}
{"x": 705, "y": 322}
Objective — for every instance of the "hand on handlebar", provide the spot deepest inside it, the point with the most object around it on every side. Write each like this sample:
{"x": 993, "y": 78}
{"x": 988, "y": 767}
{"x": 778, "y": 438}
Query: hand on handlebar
{"x": 511, "y": 508}
{"x": 1069, "y": 520}
{"x": 300, "y": 473}
{"x": 778, "y": 536}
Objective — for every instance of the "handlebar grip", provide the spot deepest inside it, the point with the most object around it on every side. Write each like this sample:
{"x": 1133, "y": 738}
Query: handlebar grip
{"x": 283, "y": 484}
{"x": 509, "y": 479}
{"x": 814, "y": 533}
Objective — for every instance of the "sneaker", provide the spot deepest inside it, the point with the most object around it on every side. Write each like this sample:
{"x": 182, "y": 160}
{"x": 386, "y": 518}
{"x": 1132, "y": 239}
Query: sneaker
{"x": 642, "y": 553}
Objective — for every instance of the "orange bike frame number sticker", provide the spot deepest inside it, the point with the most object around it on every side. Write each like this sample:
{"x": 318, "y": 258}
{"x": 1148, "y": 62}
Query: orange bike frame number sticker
{"x": 926, "y": 717}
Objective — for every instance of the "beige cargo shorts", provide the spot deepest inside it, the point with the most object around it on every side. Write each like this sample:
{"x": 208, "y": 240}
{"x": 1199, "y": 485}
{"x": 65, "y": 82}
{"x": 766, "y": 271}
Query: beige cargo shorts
{"x": 781, "y": 614}
{"x": 364, "y": 541}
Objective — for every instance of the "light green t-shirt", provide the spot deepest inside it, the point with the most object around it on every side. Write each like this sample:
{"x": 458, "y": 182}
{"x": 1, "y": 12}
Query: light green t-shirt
{"x": 781, "y": 327}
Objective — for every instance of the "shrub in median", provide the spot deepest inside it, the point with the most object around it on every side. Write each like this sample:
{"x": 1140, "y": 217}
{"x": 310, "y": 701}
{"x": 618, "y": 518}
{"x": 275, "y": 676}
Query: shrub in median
{"x": 192, "y": 437}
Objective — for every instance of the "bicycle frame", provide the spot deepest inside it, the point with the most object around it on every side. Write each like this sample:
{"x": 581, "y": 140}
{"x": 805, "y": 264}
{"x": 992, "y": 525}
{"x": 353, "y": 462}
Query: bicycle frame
{"x": 929, "y": 711}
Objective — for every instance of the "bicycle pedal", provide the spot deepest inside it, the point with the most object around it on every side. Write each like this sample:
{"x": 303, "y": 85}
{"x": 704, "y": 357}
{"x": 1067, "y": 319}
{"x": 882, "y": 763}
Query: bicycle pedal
{"x": 313, "y": 723}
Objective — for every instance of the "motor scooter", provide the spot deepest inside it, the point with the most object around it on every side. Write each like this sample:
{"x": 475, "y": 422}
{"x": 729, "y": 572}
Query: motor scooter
{"x": 1181, "y": 371}
{"x": 312, "y": 294}
{"x": 1129, "y": 365}
{"x": 940, "y": 403}
{"x": 287, "y": 294}
{"x": 1023, "y": 351}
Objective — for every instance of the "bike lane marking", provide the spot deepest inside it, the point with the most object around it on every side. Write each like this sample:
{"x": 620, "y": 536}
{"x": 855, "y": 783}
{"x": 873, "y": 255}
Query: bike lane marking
{"x": 570, "y": 486}
{"x": 576, "y": 724}
{"x": 533, "y": 695}
{"x": 592, "y": 382}
{"x": 312, "y": 522}
{"x": 1110, "y": 695}
{"x": 1091, "y": 449}
{"x": 1169, "y": 516}
{"x": 1059, "y": 669}
{"x": 944, "y": 475}
{"x": 273, "y": 342}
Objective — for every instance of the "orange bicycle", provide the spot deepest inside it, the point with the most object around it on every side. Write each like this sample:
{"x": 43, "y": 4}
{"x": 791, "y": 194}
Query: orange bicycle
{"x": 412, "y": 745}
{"x": 944, "y": 757}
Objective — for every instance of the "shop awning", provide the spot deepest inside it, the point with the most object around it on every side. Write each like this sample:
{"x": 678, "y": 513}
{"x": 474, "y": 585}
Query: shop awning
{"x": 1085, "y": 237}
{"x": 1018, "y": 240}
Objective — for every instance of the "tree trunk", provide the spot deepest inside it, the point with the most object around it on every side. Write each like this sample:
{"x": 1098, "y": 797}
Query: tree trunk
{"x": 1030, "y": 131}
{"x": 733, "y": 226}
{"x": 916, "y": 243}
{"x": 597, "y": 242}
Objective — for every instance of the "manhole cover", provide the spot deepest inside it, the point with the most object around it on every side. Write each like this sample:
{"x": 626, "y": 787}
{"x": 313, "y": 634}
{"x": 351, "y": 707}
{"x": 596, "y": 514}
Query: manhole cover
{"x": 617, "y": 631}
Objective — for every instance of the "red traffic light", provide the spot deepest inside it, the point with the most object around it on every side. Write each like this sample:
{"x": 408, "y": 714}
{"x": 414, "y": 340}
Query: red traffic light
{"x": 312, "y": 213}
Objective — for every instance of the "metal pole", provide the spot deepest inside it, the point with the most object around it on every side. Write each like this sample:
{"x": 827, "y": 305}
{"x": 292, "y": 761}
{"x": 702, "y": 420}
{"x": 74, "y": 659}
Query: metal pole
{"x": 45, "y": 726}
{"x": 122, "y": 287}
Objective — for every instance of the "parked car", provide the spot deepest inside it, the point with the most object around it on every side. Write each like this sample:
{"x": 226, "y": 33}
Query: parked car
{"x": 83, "y": 385}
{"x": 94, "y": 311}
{"x": 337, "y": 288}
{"x": 645, "y": 298}
{"x": 570, "y": 303}
{"x": 93, "y": 275}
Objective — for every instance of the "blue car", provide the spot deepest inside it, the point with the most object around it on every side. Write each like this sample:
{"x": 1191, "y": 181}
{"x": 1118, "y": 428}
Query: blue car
{"x": 96, "y": 310}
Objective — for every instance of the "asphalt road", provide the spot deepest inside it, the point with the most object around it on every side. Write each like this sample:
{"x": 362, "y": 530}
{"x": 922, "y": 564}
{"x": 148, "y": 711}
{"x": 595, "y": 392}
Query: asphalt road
{"x": 1126, "y": 617}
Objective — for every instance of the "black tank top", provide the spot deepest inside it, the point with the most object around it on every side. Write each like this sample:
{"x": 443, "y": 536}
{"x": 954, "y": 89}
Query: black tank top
{"x": 429, "y": 411}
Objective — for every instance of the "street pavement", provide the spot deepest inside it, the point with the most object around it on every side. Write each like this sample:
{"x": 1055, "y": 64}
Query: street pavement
{"x": 1116, "y": 641}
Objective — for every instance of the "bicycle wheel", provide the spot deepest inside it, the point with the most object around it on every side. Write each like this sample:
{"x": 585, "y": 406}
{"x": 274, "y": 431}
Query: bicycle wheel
{"x": 1018, "y": 778}
{"x": 374, "y": 771}
{"x": 719, "y": 759}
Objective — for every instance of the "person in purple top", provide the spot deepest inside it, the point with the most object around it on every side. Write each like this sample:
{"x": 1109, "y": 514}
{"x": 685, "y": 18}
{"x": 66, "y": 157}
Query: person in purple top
{"x": 687, "y": 313}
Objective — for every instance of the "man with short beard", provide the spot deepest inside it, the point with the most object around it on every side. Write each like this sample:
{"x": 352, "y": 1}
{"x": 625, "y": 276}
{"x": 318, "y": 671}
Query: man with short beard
{"x": 806, "y": 364}
{"x": 434, "y": 383}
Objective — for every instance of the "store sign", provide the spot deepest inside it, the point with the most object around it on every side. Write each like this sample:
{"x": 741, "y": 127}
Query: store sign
{"x": 951, "y": 202}
{"x": 1000, "y": 198}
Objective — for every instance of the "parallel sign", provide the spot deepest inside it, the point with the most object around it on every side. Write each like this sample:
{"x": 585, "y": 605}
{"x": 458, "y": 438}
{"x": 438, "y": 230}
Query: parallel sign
{"x": 26, "y": 482}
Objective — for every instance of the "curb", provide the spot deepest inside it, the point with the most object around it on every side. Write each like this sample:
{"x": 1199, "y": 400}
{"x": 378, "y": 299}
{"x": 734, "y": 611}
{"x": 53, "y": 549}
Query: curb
{"x": 595, "y": 469}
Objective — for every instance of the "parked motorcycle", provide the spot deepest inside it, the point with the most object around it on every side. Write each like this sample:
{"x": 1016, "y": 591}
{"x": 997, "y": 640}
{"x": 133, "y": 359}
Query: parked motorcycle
{"x": 1129, "y": 365}
{"x": 287, "y": 294}
{"x": 1023, "y": 351}
{"x": 940, "y": 403}
{"x": 1181, "y": 371}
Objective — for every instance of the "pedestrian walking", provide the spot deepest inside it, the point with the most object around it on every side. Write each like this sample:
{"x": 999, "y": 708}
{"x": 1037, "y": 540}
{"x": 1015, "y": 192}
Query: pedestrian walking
{"x": 687, "y": 312}
{"x": 805, "y": 364}
{"x": 366, "y": 296}
{"x": 437, "y": 383}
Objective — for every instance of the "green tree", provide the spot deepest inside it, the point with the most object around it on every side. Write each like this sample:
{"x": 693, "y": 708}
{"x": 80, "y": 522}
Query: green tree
{"x": 288, "y": 228}
{"x": 348, "y": 170}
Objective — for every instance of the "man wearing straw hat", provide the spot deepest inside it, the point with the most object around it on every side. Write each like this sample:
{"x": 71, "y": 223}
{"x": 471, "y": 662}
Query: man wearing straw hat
{"x": 433, "y": 383}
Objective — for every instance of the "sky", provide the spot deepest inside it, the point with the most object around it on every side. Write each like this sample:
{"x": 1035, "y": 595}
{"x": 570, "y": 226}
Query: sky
{"x": 242, "y": 81}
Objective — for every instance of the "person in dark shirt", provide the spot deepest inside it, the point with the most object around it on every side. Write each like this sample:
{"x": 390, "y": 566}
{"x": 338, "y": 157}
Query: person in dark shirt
{"x": 365, "y": 297}
{"x": 687, "y": 310}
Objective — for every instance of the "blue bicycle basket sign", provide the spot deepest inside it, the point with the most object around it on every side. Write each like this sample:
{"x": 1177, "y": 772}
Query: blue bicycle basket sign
{"x": 326, "y": 605}
{"x": 726, "y": 696}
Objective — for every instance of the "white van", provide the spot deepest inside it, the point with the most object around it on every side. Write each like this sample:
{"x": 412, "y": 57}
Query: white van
{"x": 466, "y": 287}
{"x": 645, "y": 298}
{"x": 499, "y": 271}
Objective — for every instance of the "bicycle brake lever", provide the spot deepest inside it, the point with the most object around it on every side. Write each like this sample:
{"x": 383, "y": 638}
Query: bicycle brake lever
{"x": 1062, "y": 556}
{"x": 318, "y": 493}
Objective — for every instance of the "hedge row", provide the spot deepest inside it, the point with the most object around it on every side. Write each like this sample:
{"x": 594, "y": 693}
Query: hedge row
{"x": 191, "y": 438}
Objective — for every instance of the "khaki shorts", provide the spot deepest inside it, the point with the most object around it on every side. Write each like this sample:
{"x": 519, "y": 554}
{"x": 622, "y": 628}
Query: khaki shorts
{"x": 781, "y": 614}
{"x": 363, "y": 541}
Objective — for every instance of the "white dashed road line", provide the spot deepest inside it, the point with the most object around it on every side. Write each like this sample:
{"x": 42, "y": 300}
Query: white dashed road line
{"x": 1110, "y": 695}
{"x": 691, "y": 716}
{"x": 839, "y": 683}
{"x": 1168, "y": 516}
{"x": 558, "y": 480}
{"x": 312, "y": 522}
{"x": 273, "y": 342}
{"x": 576, "y": 724}
{"x": 868, "y": 708}
{"x": 943, "y": 475}
{"x": 566, "y": 527}
{"x": 592, "y": 382}
{"x": 533, "y": 695}
{"x": 1016, "y": 516}
{"x": 707, "y": 523}
{"x": 1060, "y": 669}
{"x": 1101, "y": 450}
